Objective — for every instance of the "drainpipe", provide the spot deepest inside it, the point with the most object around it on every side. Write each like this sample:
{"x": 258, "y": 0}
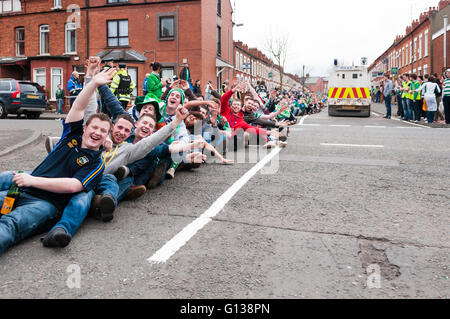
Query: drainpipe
{"x": 445, "y": 40}
{"x": 87, "y": 29}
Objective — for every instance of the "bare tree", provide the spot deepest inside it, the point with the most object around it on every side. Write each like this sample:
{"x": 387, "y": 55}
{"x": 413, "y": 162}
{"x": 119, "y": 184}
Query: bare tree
{"x": 277, "y": 47}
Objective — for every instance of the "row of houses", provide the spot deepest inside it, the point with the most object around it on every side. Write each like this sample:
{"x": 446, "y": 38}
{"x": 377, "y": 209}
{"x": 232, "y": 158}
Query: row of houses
{"x": 421, "y": 50}
{"x": 46, "y": 40}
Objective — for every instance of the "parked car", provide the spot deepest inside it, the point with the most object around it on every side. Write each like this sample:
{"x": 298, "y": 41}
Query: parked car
{"x": 22, "y": 97}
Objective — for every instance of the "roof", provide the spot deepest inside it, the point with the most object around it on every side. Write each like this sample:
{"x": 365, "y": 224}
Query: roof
{"x": 122, "y": 55}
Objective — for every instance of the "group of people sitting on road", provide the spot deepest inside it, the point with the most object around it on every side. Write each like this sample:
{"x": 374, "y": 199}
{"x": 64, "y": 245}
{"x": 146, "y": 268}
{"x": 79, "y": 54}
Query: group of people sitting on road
{"x": 102, "y": 159}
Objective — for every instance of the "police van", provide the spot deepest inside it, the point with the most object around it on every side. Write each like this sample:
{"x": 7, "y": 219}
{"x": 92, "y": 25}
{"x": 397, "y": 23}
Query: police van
{"x": 349, "y": 93}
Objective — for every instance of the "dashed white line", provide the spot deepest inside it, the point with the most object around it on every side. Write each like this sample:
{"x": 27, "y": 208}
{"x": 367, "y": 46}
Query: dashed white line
{"x": 172, "y": 246}
{"x": 352, "y": 145}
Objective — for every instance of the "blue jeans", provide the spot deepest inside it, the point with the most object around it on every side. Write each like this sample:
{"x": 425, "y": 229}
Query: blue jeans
{"x": 387, "y": 102}
{"x": 32, "y": 216}
{"x": 60, "y": 103}
{"x": 430, "y": 116}
{"x": 144, "y": 169}
{"x": 78, "y": 207}
{"x": 407, "y": 109}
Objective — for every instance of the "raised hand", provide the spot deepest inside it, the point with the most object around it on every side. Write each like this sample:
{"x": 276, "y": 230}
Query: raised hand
{"x": 105, "y": 77}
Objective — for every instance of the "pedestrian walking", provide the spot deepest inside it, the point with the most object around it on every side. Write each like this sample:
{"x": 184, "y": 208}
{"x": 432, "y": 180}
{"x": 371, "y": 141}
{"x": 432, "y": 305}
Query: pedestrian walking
{"x": 74, "y": 87}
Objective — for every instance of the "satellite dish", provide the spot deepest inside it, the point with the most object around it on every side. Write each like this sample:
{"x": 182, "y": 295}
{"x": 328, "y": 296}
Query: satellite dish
{"x": 364, "y": 61}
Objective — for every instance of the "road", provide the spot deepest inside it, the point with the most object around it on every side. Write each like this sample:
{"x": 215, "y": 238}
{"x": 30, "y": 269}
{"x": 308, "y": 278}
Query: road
{"x": 352, "y": 208}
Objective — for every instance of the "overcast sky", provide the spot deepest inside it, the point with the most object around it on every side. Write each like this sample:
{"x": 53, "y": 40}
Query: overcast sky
{"x": 321, "y": 30}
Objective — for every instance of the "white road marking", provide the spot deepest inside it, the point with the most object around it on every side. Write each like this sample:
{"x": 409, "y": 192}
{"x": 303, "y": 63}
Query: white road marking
{"x": 406, "y": 122}
{"x": 340, "y": 126}
{"x": 374, "y": 126}
{"x": 311, "y": 124}
{"x": 373, "y": 113}
{"x": 352, "y": 145}
{"x": 303, "y": 120}
{"x": 172, "y": 246}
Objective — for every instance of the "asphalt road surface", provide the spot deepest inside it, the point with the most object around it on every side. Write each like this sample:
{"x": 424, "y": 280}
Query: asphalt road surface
{"x": 352, "y": 208}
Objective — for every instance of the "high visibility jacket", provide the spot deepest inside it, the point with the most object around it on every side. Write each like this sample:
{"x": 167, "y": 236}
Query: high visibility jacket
{"x": 416, "y": 95}
{"x": 405, "y": 86}
{"x": 409, "y": 87}
{"x": 122, "y": 86}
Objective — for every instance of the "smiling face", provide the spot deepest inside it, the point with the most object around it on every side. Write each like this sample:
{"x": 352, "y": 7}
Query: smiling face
{"x": 121, "y": 131}
{"x": 145, "y": 127}
{"x": 173, "y": 101}
{"x": 148, "y": 109}
{"x": 191, "y": 120}
{"x": 95, "y": 134}
{"x": 236, "y": 106}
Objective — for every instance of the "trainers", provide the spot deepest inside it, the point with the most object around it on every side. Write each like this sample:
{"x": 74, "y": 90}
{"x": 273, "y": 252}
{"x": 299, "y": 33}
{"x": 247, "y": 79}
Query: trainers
{"x": 170, "y": 173}
{"x": 104, "y": 207}
{"x": 157, "y": 176}
{"x": 135, "y": 192}
{"x": 282, "y": 144}
{"x": 122, "y": 173}
{"x": 283, "y": 138}
{"x": 270, "y": 145}
{"x": 50, "y": 143}
{"x": 58, "y": 237}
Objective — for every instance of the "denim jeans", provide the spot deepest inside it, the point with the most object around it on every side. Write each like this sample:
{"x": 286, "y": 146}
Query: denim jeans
{"x": 430, "y": 116}
{"x": 400, "y": 105}
{"x": 144, "y": 169}
{"x": 387, "y": 102}
{"x": 78, "y": 207}
{"x": 407, "y": 109}
{"x": 446, "y": 101}
{"x": 32, "y": 216}
{"x": 60, "y": 103}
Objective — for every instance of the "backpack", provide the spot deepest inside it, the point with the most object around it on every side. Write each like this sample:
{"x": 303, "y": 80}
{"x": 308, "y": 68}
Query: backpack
{"x": 124, "y": 85}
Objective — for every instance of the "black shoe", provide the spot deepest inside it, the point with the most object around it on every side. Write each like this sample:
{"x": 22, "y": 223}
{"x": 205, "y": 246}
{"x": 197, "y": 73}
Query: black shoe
{"x": 157, "y": 176}
{"x": 283, "y": 138}
{"x": 122, "y": 173}
{"x": 58, "y": 237}
{"x": 104, "y": 207}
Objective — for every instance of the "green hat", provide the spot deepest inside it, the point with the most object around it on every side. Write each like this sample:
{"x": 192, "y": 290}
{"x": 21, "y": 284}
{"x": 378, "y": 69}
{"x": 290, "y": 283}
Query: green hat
{"x": 148, "y": 99}
{"x": 181, "y": 92}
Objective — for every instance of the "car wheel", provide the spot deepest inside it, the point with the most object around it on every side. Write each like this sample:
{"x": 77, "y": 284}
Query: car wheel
{"x": 3, "y": 112}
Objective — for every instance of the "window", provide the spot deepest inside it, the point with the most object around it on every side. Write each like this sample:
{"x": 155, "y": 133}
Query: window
{"x": 167, "y": 72}
{"x": 411, "y": 52}
{"x": 56, "y": 78}
{"x": 10, "y": 6}
{"x": 117, "y": 33}
{"x": 167, "y": 27}
{"x": 117, "y": 1}
{"x": 57, "y": 4}
{"x": 426, "y": 44}
{"x": 219, "y": 8}
{"x": 420, "y": 46}
{"x": 71, "y": 38}
{"x": 237, "y": 60}
{"x": 20, "y": 41}
{"x": 44, "y": 39}
{"x": 219, "y": 41}
{"x": 5, "y": 86}
{"x": 425, "y": 69}
{"x": 133, "y": 73}
{"x": 355, "y": 76}
{"x": 39, "y": 76}
{"x": 415, "y": 50}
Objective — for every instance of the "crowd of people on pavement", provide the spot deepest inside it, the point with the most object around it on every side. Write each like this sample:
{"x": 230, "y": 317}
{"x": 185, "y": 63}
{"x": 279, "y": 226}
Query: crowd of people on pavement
{"x": 112, "y": 149}
{"x": 417, "y": 97}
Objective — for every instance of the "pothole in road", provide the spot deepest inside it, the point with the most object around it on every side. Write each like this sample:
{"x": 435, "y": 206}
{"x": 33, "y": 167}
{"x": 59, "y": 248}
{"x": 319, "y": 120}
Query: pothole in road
{"x": 370, "y": 255}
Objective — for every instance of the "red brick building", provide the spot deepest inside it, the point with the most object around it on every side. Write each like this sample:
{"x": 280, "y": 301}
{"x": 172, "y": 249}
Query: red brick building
{"x": 46, "y": 40}
{"x": 417, "y": 51}
{"x": 251, "y": 64}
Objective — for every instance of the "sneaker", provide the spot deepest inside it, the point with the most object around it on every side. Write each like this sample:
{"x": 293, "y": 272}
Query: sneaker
{"x": 104, "y": 207}
{"x": 270, "y": 145}
{"x": 170, "y": 173}
{"x": 157, "y": 176}
{"x": 58, "y": 237}
{"x": 135, "y": 192}
{"x": 122, "y": 173}
{"x": 283, "y": 138}
{"x": 282, "y": 144}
